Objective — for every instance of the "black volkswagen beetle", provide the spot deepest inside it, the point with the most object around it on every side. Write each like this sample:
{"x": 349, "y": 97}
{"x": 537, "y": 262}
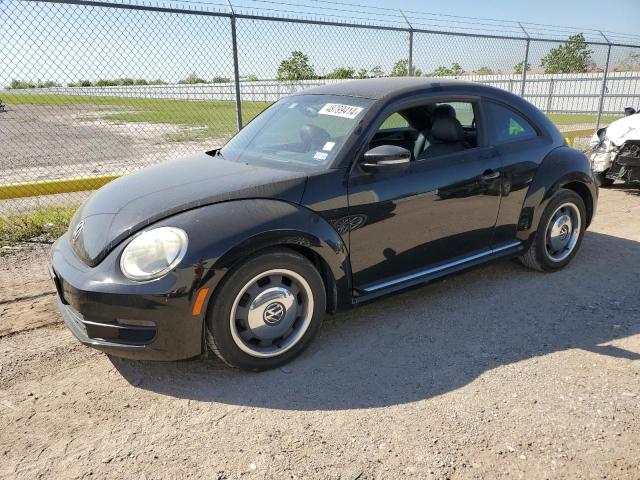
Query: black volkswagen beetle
{"x": 329, "y": 198}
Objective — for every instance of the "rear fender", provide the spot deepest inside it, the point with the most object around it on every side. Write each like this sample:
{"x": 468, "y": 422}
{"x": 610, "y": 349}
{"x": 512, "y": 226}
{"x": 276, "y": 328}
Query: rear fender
{"x": 563, "y": 167}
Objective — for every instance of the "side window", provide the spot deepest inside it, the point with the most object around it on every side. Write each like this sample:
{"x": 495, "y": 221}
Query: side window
{"x": 394, "y": 120}
{"x": 395, "y": 130}
{"x": 463, "y": 112}
{"x": 507, "y": 125}
{"x": 450, "y": 127}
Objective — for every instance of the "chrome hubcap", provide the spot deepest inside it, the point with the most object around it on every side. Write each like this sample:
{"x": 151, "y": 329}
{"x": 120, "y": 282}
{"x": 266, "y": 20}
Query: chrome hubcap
{"x": 563, "y": 232}
{"x": 271, "y": 313}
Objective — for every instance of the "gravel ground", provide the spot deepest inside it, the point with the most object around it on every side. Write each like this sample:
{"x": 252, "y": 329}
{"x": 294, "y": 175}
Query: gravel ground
{"x": 496, "y": 373}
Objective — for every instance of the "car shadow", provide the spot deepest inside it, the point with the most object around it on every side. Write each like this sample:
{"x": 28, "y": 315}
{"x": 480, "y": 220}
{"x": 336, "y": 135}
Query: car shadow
{"x": 433, "y": 339}
{"x": 630, "y": 188}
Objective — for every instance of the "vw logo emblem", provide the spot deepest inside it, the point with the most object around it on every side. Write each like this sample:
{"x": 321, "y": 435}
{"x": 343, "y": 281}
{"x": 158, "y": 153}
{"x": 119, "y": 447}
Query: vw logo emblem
{"x": 274, "y": 313}
{"x": 77, "y": 231}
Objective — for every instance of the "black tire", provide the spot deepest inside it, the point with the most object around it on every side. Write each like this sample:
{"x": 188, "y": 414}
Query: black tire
{"x": 225, "y": 339}
{"x": 537, "y": 256}
{"x": 602, "y": 181}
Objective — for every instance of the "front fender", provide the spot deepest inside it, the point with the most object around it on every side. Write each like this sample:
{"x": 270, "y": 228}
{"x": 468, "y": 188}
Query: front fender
{"x": 563, "y": 167}
{"x": 222, "y": 234}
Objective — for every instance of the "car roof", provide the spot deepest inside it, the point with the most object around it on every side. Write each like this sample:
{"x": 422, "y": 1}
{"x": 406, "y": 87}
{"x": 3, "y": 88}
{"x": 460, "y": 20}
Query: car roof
{"x": 384, "y": 88}
{"x": 387, "y": 90}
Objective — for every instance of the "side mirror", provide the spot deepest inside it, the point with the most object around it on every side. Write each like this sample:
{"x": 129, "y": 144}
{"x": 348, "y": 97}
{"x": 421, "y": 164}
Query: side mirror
{"x": 386, "y": 157}
{"x": 629, "y": 111}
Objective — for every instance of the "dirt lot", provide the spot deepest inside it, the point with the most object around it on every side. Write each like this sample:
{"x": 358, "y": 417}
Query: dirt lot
{"x": 63, "y": 141}
{"x": 496, "y": 373}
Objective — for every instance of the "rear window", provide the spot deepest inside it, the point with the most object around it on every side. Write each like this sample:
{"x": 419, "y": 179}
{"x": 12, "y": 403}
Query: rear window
{"x": 507, "y": 125}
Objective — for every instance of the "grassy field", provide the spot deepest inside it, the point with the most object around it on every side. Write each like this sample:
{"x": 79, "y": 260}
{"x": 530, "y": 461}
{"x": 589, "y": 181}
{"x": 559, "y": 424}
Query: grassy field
{"x": 580, "y": 118}
{"x": 46, "y": 222}
{"x": 201, "y": 119}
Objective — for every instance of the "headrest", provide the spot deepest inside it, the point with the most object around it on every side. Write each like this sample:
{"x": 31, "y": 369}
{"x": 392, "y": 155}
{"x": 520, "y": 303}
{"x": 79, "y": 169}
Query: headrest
{"x": 447, "y": 130}
{"x": 312, "y": 135}
{"x": 442, "y": 111}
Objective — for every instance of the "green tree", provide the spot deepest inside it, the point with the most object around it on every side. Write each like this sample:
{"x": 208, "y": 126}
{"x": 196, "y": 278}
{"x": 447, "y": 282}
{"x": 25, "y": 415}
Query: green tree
{"x": 376, "y": 72}
{"x": 401, "y": 69}
{"x": 141, "y": 81}
{"x": 47, "y": 84}
{"x": 517, "y": 68}
{"x": 484, "y": 71}
{"x": 342, "y": 72}
{"x": 441, "y": 71}
{"x": 574, "y": 56}
{"x": 296, "y": 67}
{"x": 192, "y": 79}
{"x": 20, "y": 84}
{"x": 251, "y": 78}
{"x": 103, "y": 82}
{"x": 219, "y": 79}
{"x": 80, "y": 83}
{"x": 362, "y": 73}
{"x": 455, "y": 71}
{"x": 157, "y": 82}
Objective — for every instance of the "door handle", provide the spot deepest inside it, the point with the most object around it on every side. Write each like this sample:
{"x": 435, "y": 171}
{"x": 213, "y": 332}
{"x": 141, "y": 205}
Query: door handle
{"x": 490, "y": 175}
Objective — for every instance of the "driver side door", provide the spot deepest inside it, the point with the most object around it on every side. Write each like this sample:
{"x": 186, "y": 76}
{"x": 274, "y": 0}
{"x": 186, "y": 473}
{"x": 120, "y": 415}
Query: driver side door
{"x": 437, "y": 210}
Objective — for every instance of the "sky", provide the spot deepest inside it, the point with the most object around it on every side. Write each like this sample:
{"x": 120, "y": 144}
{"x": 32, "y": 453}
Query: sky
{"x": 615, "y": 15}
{"x": 67, "y": 43}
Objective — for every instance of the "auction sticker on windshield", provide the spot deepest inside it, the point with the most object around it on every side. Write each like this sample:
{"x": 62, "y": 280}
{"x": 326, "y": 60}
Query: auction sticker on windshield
{"x": 340, "y": 110}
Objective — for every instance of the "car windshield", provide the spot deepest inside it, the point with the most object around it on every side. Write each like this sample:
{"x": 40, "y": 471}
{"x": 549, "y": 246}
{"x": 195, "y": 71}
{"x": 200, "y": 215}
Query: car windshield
{"x": 302, "y": 131}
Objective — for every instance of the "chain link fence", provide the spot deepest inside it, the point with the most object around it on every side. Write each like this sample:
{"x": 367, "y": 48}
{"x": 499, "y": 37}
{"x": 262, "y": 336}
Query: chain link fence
{"x": 94, "y": 90}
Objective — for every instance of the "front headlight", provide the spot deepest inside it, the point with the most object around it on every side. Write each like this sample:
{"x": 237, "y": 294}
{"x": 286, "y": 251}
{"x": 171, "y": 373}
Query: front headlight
{"x": 153, "y": 253}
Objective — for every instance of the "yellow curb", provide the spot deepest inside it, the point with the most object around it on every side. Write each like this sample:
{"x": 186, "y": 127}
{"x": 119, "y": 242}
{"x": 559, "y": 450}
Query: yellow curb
{"x": 52, "y": 187}
{"x": 571, "y": 136}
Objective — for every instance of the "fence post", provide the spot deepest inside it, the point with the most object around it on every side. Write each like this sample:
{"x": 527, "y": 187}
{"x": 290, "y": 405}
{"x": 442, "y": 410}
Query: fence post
{"x": 550, "y": 97}
{"x": 604, "y": 81}
{"x": 236, "y": 70}
{"x": 410, "y": 66}
{"x": 525, "y": 62}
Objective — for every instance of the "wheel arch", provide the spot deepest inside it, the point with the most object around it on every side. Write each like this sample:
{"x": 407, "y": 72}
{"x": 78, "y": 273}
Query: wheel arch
{"x": 563, "y": 167}
{"x": 222, "y": 235}
{"x": 584, "y": 192}
{"x": 336, "y": 293}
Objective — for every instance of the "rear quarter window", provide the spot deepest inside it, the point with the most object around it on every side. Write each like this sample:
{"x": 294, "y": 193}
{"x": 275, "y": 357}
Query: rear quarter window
{"x": 394, "y": 121}
{"x": 507, "y": 125}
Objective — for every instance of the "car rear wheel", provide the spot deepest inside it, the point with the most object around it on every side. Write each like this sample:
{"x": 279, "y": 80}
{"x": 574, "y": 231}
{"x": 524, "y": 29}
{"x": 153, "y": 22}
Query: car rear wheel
{"x": 559, "y": 233}
{"x": 266, "y": 311}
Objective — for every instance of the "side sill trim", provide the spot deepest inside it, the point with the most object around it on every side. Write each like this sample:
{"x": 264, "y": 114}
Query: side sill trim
{"x": 440, "y": 268}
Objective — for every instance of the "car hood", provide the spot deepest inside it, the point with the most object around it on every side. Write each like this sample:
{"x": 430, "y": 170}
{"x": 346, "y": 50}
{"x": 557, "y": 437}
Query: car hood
{"x": 620, "y": 131}
{"x": 135, "y": 201}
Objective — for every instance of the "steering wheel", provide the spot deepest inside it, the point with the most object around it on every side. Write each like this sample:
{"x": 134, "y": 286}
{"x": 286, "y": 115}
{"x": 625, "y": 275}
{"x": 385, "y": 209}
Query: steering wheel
{"x": 313, "y": 136}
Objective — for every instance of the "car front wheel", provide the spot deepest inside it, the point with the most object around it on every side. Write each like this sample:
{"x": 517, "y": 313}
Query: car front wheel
{"x": 559, "y": 233}
{"x": 266, "y": 311}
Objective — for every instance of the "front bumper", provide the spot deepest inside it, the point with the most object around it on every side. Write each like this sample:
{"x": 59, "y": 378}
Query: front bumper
{"x": 626, "y": 165}
{"x": 104, "y": 310}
